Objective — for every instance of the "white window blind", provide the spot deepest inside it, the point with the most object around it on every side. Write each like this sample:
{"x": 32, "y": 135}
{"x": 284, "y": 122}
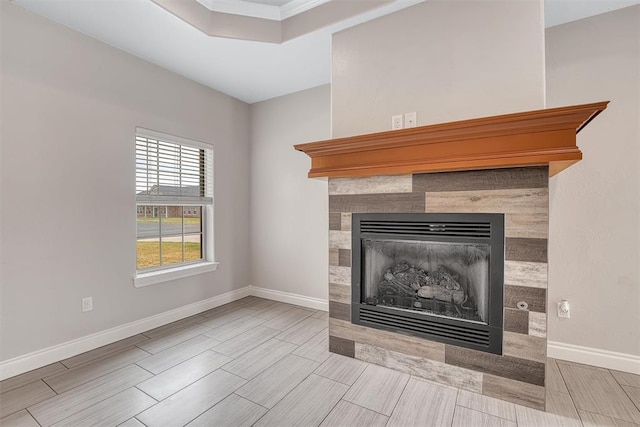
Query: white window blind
{"x": 172, "y": 170}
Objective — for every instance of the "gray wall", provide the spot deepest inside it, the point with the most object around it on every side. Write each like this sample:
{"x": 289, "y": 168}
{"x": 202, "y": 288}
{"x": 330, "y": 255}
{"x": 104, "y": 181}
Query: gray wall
{"x": 289, "y": 248}
{"x": 594, "y": 246}
{"x": 446, "y": 60}
{"x": 70, "y": 105}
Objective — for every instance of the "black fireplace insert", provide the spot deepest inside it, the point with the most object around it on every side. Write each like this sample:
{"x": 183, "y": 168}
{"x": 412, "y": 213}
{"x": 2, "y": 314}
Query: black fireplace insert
{"x": 438, "y": 276}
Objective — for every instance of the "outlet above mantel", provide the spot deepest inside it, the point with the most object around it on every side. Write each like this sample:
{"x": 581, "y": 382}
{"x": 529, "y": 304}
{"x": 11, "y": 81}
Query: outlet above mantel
{"x": 534, "y": 138}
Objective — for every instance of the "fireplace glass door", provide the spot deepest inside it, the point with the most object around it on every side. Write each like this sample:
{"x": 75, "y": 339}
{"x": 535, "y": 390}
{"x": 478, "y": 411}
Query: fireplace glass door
{"x": 438, "y": 278}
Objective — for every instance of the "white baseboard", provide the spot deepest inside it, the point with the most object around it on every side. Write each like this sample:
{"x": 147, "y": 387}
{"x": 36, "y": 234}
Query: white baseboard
{"x": 289, "y": 298}
{"x": 39, "y": 358}
{"x": 594, "y": 356}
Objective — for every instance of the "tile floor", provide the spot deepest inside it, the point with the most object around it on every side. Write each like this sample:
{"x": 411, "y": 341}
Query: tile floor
{"x": 264, "y": 363}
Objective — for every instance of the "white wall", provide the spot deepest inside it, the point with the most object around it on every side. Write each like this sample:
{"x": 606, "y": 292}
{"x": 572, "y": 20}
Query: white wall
{"x": 70, "y": 105}
{"x": 446, "y": 60}
{"x": 595, "y": 205}
{"x": 289, "y": 212}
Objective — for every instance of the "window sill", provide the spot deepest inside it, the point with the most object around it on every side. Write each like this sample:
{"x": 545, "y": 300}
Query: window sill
{"x": 155, "y": 277}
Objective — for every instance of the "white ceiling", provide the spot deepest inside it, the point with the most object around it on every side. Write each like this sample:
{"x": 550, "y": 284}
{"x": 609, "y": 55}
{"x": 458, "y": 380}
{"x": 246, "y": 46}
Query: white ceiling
{"x": 250, "y": 71}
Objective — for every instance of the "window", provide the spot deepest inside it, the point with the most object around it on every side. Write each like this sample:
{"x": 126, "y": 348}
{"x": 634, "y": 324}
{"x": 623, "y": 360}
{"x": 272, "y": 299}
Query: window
{"x": 174, "y": 203}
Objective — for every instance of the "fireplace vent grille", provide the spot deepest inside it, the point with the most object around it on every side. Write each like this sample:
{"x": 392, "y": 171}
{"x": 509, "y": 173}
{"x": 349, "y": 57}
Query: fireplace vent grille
{"x": 421, "y": 228}
{"x": 426, "y": 326}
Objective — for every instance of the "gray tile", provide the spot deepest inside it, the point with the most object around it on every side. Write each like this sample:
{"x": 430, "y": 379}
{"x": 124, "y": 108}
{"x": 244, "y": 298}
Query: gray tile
{"x": 226, "y": 308}
{"x": 424, "y": 403}
{"x": 234, "y": 328}
{"x": 523, "y": 273}
{"x": 273, "y": 384}
{"x": 22, "y": 397}
{"x": 317, "y": 348}
{"x": 406, "y": 344}
{"x": 553, "y": 378}
{"x": 322, "y": 315}
{"x": 348, "y": 414}
{"x": 341, "y": 311}
{"x": 633, "y": 393}
{"x": 514, "y": 368}
{"x": 344, "y": 257}
{"x": 246, "y": 341}
{"x": 335, "y": 220}
{"x": 172, "y": 338}
{"x": 524, "y": 346}
{"x": 19, "y": 419}
{"x": 486, "y": 404}
{"x": 589, "y": 419}
{"x": 342, "y": 369}
{"x": 77, "y": 399}
{"x": 513, "y": 391}
{"x": 232, "y": 411}
{"x": 371, "y": 184}
{"x": 31, "y": 376}
{"x": 111, "y": 411}
{"x": 334, "y": 257}
{"x": 346, "y": 221}
{"x": 74, "y": 377}
{"x": 377, "y": 389}
{"x": 536, "y": 298}
{"x": 272, "y": 311}
{"x": 259, "y": 304}
{"x": 307, "y": 404}
{"x": 339, "y": 240}
{"x": 421, "y": 367}
{"x": 596, "y": 390}
{"x": 626, "y": 378}
{"x": 220, "y": 319}
{"x": 99, "y": 352}
{"x": 260, "y": 358}
{"x": 340, "y": 275}
{"x": 527, "y": 209}
{"x": 465, "y": 417}
{"x": 519, "y": 249}
{"x": 189, "y": 403}
{"x": 178, "y": 324}
{"x": 561, "y": 404}
{"x": 339, "y": 293}
{"x": 528, "y": 417}
{"x": 486, "y": 179}
{"x": 132, "y": 423}
{"x": 288, "y": 319}
{"x": 516, "y": 320}
{"x": 172, "y": 356}
{"x": 302, "y": 331}
{"x": 537, "y": 324}
{"x": 172, "y": 380}
{"x": 342, "y": 346}
{"x": 372, "y": 203}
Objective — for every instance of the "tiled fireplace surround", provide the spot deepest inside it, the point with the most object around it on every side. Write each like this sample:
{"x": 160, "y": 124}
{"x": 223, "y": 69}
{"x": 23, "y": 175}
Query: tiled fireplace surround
{"x": 518, "y": 375}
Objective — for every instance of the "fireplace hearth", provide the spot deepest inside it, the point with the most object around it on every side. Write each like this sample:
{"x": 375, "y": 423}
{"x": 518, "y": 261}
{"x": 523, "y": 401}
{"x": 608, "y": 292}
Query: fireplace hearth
{"x": 438, "y": 276}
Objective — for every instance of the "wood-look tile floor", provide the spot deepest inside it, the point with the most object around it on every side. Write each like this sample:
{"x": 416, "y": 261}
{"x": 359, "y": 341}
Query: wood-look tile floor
{"x": 264, "y": 363}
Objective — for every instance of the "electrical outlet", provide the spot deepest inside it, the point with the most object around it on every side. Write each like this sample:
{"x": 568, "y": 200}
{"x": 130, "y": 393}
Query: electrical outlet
{"x": 564, "y": 310}
{"x": 396, "y": 122}
{"x": 410, "y": 119}
{"x": 87, "y": 304}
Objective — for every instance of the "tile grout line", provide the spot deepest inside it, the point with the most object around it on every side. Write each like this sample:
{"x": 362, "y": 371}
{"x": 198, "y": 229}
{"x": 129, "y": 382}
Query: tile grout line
{"x": 31, "y": 415}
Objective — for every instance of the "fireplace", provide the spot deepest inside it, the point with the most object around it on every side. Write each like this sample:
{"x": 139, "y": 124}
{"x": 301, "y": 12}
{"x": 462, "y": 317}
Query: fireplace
{"x": 438, "y": 276}
{"x": 498, "y": 164}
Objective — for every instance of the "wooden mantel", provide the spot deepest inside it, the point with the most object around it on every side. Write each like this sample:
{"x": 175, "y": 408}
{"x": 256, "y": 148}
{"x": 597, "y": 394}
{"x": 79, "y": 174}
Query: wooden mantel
{"x": 534, "y": 138}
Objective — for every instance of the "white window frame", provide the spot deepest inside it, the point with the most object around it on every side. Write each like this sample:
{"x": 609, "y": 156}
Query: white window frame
{"x": 177, "y": 271}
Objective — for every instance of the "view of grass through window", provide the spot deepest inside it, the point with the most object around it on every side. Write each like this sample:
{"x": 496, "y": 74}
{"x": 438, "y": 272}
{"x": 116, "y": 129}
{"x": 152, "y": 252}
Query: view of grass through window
{"x": 168, "y": 235}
